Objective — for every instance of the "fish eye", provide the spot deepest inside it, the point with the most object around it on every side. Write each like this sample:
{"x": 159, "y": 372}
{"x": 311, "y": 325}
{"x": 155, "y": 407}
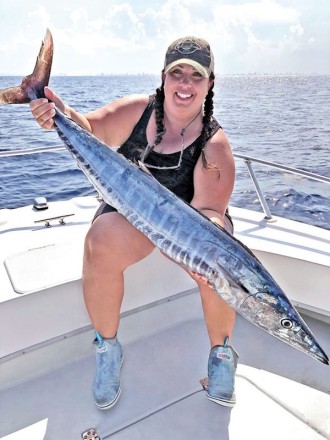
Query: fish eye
{"x": 286, "y": 323}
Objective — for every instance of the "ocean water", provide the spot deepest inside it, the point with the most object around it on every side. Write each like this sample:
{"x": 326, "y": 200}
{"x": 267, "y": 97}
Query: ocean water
{"x": 282, "y": 118}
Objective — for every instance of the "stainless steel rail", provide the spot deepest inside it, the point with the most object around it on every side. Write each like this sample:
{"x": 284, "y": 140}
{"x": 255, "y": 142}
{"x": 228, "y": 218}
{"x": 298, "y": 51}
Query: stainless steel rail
{"x": 27, "y": 151}
{"x": 284, "y": 168}
{"x": 247, "y": 159}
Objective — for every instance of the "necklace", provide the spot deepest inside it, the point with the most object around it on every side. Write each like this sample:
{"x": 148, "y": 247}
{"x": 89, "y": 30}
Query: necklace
{"x": 149, "y": 149}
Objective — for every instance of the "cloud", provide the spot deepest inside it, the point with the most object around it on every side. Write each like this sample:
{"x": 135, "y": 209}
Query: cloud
{"x": 265, "y": 36}
{"x": 128, "y": 36}
{"x": 41, "y": 15}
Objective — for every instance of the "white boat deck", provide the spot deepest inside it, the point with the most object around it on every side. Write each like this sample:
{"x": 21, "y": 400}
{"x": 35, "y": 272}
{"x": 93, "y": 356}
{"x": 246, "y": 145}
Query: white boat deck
{"x": 166, "y": 351}
{"x": 46, "y": 354}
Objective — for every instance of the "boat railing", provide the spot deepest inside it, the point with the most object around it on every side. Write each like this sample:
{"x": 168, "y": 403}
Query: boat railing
{"x": 248, "y": 160}
{"x": 27, "y": 151}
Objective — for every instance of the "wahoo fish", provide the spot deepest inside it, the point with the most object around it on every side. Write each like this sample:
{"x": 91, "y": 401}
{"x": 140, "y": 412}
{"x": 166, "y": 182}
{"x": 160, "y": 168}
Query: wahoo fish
{"x": 178, "y": 230}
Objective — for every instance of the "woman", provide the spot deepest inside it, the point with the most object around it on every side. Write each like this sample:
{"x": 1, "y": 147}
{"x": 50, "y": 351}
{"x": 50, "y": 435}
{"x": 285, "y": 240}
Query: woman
{"x": 175, "y": 136}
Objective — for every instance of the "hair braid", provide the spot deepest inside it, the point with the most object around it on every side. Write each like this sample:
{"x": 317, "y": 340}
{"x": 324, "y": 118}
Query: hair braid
{"x": 207, "y": 128}
{"x": 208, "y": 113}
{"x": 159, "y": 113}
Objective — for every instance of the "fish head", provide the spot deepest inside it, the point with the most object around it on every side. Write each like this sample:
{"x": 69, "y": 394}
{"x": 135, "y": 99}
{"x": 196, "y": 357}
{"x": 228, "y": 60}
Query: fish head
{"x": 273, "y": 312}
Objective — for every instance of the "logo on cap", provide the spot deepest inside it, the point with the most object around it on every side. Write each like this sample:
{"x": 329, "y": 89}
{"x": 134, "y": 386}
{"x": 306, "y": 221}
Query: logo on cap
{"x": 187, "y": 47}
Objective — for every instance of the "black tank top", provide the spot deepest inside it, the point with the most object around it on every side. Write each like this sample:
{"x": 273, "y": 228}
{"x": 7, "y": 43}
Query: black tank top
{"x": 179, "y": 180}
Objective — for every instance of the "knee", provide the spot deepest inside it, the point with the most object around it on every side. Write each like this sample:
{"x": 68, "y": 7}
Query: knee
{"x": 97, "y": 242}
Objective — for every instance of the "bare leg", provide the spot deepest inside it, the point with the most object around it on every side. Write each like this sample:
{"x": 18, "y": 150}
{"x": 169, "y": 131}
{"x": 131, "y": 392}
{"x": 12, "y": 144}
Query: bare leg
{"x": 112, "y": 244}
{"x": 219, "y": 316}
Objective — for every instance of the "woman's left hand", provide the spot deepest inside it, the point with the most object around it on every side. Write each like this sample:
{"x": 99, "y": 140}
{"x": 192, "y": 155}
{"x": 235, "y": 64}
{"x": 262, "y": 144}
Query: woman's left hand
{"x": 200, "y": 279}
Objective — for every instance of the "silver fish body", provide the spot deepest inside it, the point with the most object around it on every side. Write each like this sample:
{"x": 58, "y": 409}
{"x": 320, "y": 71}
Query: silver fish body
{"x": 177, "y": 229}
{"x": 189, "y": 238}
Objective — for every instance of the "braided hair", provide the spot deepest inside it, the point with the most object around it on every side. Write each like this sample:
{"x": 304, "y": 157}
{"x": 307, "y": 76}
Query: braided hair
{"x": 207, "y": 118}
{"x": 159, "y": 113}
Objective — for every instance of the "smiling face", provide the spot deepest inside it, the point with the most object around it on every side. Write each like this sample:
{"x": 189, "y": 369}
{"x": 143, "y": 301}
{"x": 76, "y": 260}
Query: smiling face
{"x": 185, "y": 87}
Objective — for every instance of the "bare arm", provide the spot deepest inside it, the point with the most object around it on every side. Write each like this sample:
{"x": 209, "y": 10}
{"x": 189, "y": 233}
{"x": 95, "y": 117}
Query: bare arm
{"x": 213, "y": 187}
{"x": 43, "y": 110}
{"x": 112, "y": 123}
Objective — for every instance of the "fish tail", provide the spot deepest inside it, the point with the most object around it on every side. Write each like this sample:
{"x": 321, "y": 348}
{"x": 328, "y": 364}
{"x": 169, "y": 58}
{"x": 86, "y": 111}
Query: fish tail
{"x": 32, "y": 86}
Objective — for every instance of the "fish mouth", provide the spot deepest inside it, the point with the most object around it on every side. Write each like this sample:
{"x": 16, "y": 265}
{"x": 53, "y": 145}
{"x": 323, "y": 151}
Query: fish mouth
{"x": 289, "y": 328}
{"x": 322, "y": 358}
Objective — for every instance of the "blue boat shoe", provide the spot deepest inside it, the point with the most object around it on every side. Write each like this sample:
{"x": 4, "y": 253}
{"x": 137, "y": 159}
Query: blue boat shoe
{"x": 222, "y": 366}
{"x": 106, "y": 383}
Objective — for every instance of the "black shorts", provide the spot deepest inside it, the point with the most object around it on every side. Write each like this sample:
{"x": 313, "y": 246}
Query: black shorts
{"x": 105, "y": 208}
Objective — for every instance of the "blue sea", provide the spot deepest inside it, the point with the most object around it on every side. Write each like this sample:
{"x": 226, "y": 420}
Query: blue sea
{"x": 282, "y": 118}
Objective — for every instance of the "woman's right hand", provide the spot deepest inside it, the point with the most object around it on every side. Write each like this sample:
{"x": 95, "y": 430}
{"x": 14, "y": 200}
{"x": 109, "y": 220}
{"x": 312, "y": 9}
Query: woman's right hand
{"x": 43, "y": 109}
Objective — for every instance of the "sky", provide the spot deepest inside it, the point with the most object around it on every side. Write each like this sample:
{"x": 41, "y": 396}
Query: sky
{"x": 94, "y": 37}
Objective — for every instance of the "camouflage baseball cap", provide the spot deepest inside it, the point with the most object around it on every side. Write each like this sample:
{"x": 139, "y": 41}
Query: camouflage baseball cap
{"x": 190, "y": 50}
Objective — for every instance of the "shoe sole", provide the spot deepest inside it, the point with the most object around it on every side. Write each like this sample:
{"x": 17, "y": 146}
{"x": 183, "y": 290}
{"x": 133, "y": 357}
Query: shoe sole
{"x": 114, "y": 401}
{"x": 227, "y": 403}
